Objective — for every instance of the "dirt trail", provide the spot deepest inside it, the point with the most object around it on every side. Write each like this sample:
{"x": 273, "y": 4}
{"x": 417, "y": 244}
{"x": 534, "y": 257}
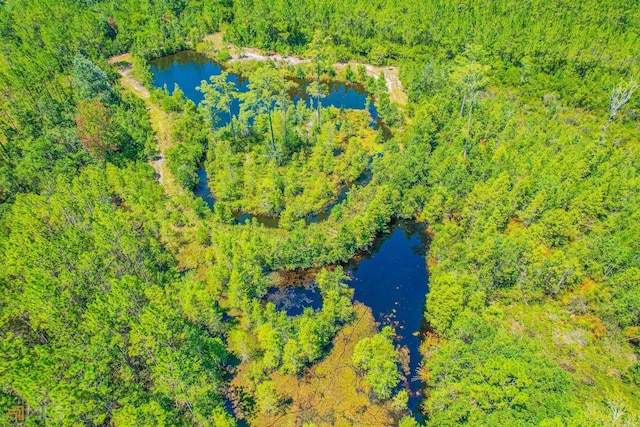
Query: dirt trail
{"x": 391, "y": 77}
{"x": 160, "y": 121}
{"x": 123, "y": 62}
{"x": 391, "y": 73}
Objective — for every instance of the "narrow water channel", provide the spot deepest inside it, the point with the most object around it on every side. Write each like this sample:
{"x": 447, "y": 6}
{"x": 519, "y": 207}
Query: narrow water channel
{"x": 204, "y": 192}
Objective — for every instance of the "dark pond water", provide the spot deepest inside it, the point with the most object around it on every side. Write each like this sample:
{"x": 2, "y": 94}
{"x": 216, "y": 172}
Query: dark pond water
{"x": 390, "y": 278}
{"x": 188, "y": 68}
{"x": 340, "y": 95}
{"x": 294, "y": 299}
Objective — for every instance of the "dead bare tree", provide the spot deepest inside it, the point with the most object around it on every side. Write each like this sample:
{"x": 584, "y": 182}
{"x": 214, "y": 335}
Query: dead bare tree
{"x": 619, "y": 97}
{"x": 469, "y": 77}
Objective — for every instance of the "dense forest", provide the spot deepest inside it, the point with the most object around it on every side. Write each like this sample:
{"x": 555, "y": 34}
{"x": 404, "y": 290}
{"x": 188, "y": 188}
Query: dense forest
{"x": 126, "y": 301}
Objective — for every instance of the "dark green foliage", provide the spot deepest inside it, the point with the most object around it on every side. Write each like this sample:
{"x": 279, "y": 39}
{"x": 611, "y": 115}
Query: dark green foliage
{"x": 91, "y": 319}
{"x": 89, "y": 81}
{"x": 190, "y": 134}
{"x": 349, "y": 74}
{"x": 540, "y": 42}
{"x": 388, "y": 111}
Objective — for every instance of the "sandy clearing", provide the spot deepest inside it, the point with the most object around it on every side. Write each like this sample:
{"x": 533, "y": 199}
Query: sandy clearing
{"x": 391, "y": 77}
{"x": 252, "y": 55}
{"x": 391, "y": 73}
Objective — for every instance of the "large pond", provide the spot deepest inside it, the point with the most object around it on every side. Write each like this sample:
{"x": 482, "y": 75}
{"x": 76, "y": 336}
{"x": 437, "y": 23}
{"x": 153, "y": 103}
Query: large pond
{"x": 188, "y": 68}
{"x": 390, "y": 278}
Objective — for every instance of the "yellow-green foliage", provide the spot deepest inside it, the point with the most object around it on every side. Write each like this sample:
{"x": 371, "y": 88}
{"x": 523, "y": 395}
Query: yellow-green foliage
{"x": 532, "y": 268}
{"x": 310, "y": 177}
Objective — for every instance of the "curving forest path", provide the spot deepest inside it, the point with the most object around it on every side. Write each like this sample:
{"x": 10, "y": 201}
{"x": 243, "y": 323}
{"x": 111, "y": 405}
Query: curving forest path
{"x": 160, "y": 121}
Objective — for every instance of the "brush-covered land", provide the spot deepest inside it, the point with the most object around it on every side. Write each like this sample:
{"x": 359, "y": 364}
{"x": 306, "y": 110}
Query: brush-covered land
{"x": 509, "y": 128}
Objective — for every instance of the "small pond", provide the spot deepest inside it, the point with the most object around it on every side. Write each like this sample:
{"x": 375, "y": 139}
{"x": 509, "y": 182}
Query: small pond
{"x": 390, "y": 278}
